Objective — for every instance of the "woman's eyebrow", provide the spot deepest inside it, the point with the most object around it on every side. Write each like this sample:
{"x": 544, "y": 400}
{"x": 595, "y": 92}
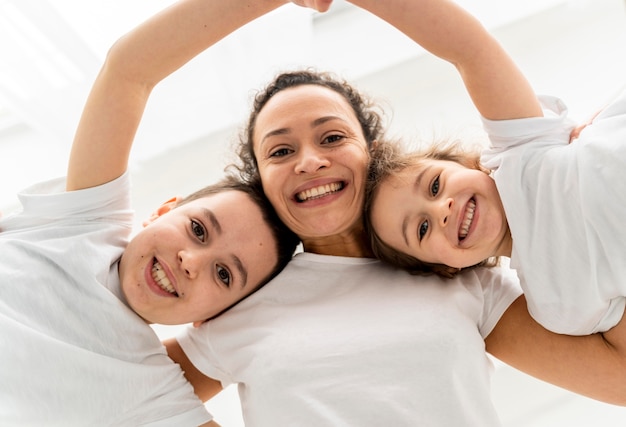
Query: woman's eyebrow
{"x": 275, "y": 132}
{"x": 284, "y": 131}
{"x": 322, "y": 120}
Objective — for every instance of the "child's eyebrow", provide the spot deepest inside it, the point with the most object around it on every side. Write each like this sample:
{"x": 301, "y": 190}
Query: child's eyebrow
{"x": 416, "y": 186}
{"x": 242, "y": 271}
{"x": 210, "y": 216}
{"x": 418, "y": 178}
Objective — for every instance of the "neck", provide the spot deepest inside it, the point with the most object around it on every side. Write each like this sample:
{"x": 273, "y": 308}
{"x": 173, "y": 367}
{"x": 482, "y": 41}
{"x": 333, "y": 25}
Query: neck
{"x": 506, "y": 246}
{"x": 351, "y": 245}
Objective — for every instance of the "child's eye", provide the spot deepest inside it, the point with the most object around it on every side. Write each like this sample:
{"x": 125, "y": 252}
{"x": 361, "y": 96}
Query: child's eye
{"x": 423, "y": 229}
{"x": 198, "y": 230}
{"x": 224, "y": 275}
{"x": 280, "y": 152}
{"x": 434, "y": 187}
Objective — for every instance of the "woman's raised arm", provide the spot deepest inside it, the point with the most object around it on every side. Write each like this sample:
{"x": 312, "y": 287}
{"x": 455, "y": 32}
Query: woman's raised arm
{"x": 591, "y": 365}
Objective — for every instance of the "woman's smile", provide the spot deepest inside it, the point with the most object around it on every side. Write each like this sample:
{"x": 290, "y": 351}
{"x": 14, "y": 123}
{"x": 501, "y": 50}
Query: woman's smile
{"x": 319, "y": 191}
{"x": 312, "y": 158}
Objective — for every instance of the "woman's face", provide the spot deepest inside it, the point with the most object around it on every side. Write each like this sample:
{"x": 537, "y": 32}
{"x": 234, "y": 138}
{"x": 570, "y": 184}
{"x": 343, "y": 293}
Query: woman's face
{"x": 443, "y": 213}
{"x": 312, "y": 158}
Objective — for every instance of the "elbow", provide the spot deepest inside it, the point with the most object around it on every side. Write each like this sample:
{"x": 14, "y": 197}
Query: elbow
{"x": 123, "y": 66}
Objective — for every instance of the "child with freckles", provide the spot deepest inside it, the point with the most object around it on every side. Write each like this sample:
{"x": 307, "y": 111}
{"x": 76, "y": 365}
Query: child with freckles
{"x": 555, "y": 208}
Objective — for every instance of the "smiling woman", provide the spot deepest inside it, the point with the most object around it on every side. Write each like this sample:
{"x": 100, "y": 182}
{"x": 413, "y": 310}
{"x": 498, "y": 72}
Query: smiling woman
{"x": 308, "y": 141}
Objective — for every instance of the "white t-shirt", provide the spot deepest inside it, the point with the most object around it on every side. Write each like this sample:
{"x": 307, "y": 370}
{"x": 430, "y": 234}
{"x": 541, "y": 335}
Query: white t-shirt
{"x": 566, "y": 207}
{"x": 72, "y": 353}
{"x": 336, "y": 341}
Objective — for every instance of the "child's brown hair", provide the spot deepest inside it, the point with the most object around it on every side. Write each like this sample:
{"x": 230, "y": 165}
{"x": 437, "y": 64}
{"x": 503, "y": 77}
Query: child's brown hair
{"x": 390, "y": 157}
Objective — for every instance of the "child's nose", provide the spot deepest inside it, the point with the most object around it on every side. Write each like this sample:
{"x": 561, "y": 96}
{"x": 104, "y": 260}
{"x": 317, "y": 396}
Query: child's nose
{"x": 446, "y": 211}
{"x": 190, "y": 263}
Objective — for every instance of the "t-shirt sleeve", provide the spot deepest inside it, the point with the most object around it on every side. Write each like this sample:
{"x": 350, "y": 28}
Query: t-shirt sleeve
{"x": 196, "y": 343}
{"x": 50, "y": 197}
{"x": 504, "y": 135}
{"x": 191, "y": 418}
{"x": 500, "y": 287}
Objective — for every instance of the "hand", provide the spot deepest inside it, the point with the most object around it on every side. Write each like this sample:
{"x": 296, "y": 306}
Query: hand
{"x": 575, "y": 133}
{"x": 319, "y": 5}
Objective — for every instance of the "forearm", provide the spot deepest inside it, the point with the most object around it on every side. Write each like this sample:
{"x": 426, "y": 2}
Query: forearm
{"x": 616, "y": 337}
{"x": 589, "y": 365}
{"x": 171, "y": 38}
{"x": 134, "y": 65}
{"x": 496, "y": 85}
{"x": 204, "y": 387}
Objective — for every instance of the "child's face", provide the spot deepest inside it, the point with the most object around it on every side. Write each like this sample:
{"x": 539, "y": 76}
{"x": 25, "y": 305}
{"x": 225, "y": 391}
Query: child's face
{"x": 441, "y": 212}
{"x": 190, "y": 263}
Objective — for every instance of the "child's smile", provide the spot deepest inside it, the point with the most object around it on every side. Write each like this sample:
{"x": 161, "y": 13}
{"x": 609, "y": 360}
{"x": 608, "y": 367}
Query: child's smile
{"x": 441, "y": 212}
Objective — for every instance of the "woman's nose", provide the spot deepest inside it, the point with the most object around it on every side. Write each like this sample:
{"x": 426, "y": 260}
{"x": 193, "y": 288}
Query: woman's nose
{"x": 310, "y": 160}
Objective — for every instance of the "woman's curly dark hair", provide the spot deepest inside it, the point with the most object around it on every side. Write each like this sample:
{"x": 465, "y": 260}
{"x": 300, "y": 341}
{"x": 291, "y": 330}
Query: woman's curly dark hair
{"x": 367, "y": 112}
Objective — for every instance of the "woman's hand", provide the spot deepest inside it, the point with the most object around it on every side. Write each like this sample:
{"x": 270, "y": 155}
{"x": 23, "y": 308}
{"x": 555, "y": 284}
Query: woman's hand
{"x": 319, "y": 5}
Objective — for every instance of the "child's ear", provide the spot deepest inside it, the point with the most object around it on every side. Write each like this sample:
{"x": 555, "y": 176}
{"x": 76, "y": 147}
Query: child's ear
{"x": 164, "y": 208}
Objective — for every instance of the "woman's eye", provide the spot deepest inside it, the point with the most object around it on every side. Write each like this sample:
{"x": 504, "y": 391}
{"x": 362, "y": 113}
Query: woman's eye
{"x": 333, "y": 138}
{"x": 423, "y": 229}
{"x": 198, "y": 230}
{"x": 434, "y": 187}
{"x": 280, "y": 152}
{"x": 224, "y": 275}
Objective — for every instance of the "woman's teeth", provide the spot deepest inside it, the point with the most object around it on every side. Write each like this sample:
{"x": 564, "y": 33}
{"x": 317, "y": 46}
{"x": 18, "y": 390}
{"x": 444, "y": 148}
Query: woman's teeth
{"x": 161, "y": 279}
{"x": 467, "y": 220}
{"x": 317, "y": 192}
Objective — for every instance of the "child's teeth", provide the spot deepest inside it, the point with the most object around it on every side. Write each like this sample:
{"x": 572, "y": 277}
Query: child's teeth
{"x": 161, "y": 279}
{"x": 469, "y": 216}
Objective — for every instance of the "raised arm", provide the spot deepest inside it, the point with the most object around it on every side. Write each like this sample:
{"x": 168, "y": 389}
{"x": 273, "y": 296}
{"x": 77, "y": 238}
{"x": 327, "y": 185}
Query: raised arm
{"x": 497, "y": 87}
{"x": 134, "y": 65}
{"x": 204, "y": 387}
{"x": 591, "y": 365}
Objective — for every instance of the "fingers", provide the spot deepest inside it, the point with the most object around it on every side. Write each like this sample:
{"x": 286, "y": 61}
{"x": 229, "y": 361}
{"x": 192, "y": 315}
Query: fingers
{"x": 318, "y": 5}
{"x": 575, "y": 133}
